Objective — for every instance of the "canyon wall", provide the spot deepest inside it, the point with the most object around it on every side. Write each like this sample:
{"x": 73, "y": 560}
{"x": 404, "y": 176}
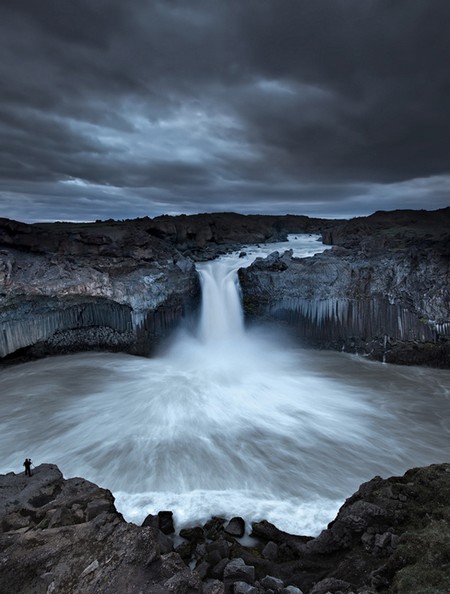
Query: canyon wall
{"x": 66, "y": 288}
{"x": 112, "y": 285}
{"x": 382, "y": 291}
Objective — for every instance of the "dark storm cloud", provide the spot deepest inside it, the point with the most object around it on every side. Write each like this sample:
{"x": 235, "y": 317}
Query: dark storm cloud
{"x": 125, "y": 109}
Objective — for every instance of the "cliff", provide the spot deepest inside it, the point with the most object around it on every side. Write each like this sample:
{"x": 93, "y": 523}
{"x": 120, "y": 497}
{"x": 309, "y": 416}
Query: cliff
{"x": 65, "y": 535}
{"x": 383, "y": 290}
{"x": 112, "y": 285}
{"x": 71, "y": 287}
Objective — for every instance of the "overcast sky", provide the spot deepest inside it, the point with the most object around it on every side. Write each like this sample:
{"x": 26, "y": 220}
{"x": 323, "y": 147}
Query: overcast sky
{"x": 114, "y": 108}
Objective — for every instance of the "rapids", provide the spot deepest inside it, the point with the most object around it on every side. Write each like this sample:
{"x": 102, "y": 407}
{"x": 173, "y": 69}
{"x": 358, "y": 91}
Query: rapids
{"x": 226, "y": 420}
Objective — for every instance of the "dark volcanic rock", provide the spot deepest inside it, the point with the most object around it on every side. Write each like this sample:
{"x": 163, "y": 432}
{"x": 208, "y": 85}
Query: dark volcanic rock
{"x": 235, "y": 527}
{"x": 112, "y": 285}
{"x": 70, "y": 287}
{"x": 66, "y": 536}
{"x": 383, "y": 292}
{"x": 57, "y": 535}
{"x": 209, "y": 234}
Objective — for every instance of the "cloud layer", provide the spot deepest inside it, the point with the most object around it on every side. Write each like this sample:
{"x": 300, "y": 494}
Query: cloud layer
{"x": 330, "y": 108}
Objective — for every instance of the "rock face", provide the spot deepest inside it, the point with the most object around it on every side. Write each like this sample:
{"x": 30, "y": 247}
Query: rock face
{"x": 383, "y": 290}
{"x": 78, "y": 287}
{"x": 112, "y": 285}
{"x": 65, "y": 535}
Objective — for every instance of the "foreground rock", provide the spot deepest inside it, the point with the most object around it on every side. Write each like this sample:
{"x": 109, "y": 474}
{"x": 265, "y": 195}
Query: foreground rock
{"x": 66, "y": 536}
{"x": 57, "y": 535}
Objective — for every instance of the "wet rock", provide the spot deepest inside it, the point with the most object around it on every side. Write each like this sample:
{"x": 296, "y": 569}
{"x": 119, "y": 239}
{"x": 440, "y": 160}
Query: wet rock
{"x": 235, "y": 527}
{"x": 194, "y": 535}
{"x": 267, "y": 532}
{"x": 185, "y": 550}
{"x": 165, "y": 520}
{"x": 162, "y": 521}
{"x": 214, "y": 527}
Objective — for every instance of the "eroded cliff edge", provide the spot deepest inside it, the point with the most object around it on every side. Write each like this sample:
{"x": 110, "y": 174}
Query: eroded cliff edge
{"x": 383, "y": 290}
{"x": 65, "y": 535}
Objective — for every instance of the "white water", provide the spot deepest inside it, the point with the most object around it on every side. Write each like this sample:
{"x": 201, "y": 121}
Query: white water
{"x": 226, "y": 421}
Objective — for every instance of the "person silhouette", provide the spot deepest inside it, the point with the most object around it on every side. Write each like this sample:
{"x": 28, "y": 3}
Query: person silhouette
{"x": 27, "y": 465}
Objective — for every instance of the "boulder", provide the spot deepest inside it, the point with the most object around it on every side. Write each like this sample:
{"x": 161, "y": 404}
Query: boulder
{"x": 272, "y": 583}
{"x": 235, "y": 527}
{"x": 237, "y": 571}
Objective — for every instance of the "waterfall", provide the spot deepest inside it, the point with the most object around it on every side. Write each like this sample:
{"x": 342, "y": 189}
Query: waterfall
{"x": 222, "y": 318}
{"x": 227, "y": 420}
{"x": 221, "y": 314}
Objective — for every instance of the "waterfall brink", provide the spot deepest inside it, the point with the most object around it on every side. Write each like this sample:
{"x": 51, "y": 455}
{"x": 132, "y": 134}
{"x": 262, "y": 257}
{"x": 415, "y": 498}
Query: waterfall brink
{"x": 221, "y": 314}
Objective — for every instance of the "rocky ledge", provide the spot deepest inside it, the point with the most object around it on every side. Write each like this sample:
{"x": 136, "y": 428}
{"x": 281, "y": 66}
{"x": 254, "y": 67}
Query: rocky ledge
{"x": 65, "y": 535}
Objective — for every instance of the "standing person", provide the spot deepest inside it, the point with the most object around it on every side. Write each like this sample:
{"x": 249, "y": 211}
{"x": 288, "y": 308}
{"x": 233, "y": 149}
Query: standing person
{"x": 27, "y": 465}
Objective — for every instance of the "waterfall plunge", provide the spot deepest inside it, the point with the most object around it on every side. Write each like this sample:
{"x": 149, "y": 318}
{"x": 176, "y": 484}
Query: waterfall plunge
{"x": 221, "y": 315}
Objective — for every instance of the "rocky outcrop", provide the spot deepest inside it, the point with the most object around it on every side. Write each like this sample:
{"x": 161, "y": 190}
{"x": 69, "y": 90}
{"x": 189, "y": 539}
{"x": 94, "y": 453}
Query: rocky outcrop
{"x": 384, "y": 291}
{"x": 65, "y": 535}
{"x": 68, "y": 287}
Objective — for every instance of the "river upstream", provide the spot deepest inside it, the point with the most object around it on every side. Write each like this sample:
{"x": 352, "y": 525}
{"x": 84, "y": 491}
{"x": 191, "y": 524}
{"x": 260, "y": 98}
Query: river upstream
{"x": 226, "y": 420}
